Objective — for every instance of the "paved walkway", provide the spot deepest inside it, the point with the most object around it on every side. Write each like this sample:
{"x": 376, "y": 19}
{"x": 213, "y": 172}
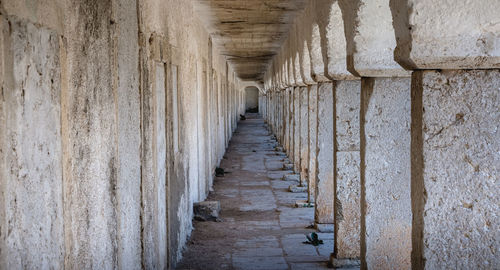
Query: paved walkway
{"x": 260, "y": 228}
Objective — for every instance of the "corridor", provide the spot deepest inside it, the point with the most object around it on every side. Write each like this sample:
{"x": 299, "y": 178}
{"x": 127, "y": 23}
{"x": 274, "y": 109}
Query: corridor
{"x": 379, "y": 119}
{"x": 260, "y": 227}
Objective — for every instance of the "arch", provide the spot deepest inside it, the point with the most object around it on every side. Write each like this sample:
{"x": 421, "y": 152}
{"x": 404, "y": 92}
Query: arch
{"x": 318, "y": 66}
{"x": 306, "y": 64}
{"x": 258, "y": 85}
{"x": 252, "y": 99}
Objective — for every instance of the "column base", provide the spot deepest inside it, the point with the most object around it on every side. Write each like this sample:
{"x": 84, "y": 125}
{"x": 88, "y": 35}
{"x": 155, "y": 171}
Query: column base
{"x": 343, "y": 263}
{"x": 324, "y": 227}
{"x": 304, "y": 204}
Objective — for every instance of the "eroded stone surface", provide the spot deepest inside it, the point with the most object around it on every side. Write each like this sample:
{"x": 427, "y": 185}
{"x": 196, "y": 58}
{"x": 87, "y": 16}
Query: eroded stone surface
{"x": 347, "y": 208}
{"x": 313, "y": 136}
{"x": 386, "y": 139}
{"x": 456, "y": 168}
{"x": 447, "y": 35}
{"x": 370, "y": 45}
{"x": 324, "y": 186}
{"x": 304, "y": 134}
{"x": 31, "y": 193}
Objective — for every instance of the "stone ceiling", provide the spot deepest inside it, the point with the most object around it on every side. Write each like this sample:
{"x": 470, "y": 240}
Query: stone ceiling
{"x": 249, "y": 32}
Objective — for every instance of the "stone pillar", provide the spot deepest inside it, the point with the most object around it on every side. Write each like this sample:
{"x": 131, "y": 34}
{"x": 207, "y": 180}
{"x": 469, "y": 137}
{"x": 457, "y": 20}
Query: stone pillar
{"x": 313, "y": 139}
{"x": 304, "y": 135}
{"x": 347, "y": 193}
{"x": 455, "y": 168}
{"x": 385, "y": 192}
{"x": 296, "y": 132}
{"x": 455, "y": 141}
{"x": 333, "y": 42}
{"x": 386, "y": 203}
{"x": 291, "y": 119}
{"x": 31, "y": 179}
{"x": 324, "y": 186}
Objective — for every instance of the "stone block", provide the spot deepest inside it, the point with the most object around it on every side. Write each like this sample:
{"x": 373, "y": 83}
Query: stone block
{"x": 303, "y": 204}
{"x": 324, "y": 227}
{"x": 387, "y": 203}
{"x": 446, "y": 35}
{"x": 206, "y": 211}
{"x": 344, "y": 263}
{"x": 324, "y": 187}
{"x": 455, "y": 169}
{"x": 288, "y": 166}
{"x": 297, "y": 189}
{"x": 292, "y": 177}
{"x": 347, "y": 206}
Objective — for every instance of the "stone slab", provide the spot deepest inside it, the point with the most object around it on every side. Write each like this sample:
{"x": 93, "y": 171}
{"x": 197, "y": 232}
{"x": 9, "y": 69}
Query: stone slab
{"x": 297, "y": 189}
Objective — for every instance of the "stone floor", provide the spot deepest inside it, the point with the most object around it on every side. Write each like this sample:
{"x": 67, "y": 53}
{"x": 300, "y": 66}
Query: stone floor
{"x": 260, "y": 228}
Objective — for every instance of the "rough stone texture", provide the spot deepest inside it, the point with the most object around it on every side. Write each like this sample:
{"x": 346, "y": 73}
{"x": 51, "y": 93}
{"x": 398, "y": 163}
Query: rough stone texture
{"x": 347, "y": 205}
{"x": 347, "y": 100}
{"x": 31, "y": 206}
{"x": 296, "y": 131}
{"x": 313, "y": 138}
{"x": 386, "y": 162}
{"x": 370, "y": 46}
{"x": 206, "y": 211}
{"x": 128, "y": 186}
{"x": 347, "y": 170}
{"x": 455, "y": 169}
{"x": 90, "y": 162}
{"x": 304, "y": 135}
{"x": 447, "y": 35}
{"x": 105, "y": 103}
{"x": 324, "y": 187}
{"x": 336, "y": 43}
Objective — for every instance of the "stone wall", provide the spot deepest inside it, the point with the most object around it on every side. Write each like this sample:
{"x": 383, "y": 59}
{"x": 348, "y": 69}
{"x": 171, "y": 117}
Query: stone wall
{"x": 105, "y": 107}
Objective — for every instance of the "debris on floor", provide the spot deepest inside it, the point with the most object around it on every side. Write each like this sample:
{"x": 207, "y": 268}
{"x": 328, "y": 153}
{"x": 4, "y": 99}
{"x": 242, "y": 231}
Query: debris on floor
{"x": 292, "y": 177}
{"x": 313, "y": 240}
{"x": 206, "y": 211}
{"x": 297, "y": 189}
{"x": 304, "y": 204}
{"x": 219, "y": 172}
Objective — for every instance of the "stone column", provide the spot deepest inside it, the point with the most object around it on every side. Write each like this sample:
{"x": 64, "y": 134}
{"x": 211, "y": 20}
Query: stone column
{"x": 296, "y": 132}
{"x": 313, "y": 139}
{"x": 291, "y": 119}
{"x": 455, "y": 130}
{"x": 323, "y": 215}
{"x": 385, "y": 158}
{"x": 347, "y": 173}
{"x": 344, "y": 121}
{"x": 304, "y": 135}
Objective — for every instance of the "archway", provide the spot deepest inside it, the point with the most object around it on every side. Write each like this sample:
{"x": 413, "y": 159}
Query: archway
{"x": 252, "y": 99}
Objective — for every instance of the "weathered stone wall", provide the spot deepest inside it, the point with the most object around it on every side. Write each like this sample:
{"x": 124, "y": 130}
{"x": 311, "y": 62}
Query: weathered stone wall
{"x": 455, "y": 168}
{"x": 100, "y": 159}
